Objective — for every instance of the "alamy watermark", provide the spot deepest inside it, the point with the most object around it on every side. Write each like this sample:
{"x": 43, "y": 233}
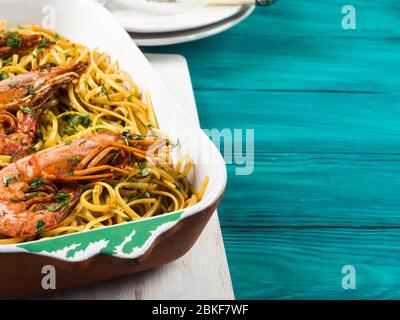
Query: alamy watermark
{"x": 349, "y": 20}
{"x": 349, "y": 278}
{"x": 49, "y": 278}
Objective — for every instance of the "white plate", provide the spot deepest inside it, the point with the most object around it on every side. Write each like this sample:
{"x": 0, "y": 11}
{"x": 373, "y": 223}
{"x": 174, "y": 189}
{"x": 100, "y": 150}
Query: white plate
{"x": 149, "y": 17}
{"x": 168, "y": 38}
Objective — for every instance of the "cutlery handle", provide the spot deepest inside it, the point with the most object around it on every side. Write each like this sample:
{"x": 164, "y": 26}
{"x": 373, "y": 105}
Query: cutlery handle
{"x": 232, "y": 2}
{"x": 264, "y": 2}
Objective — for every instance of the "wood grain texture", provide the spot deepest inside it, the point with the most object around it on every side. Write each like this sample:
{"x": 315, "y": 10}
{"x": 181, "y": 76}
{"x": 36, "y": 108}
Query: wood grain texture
{"x": 324, "y": 103}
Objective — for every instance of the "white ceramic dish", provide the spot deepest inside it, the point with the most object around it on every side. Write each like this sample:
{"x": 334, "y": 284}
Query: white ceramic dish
{"x": 169, "y": 38}
{"x": 100, "y": 254}
{"x": 149, "y": 17}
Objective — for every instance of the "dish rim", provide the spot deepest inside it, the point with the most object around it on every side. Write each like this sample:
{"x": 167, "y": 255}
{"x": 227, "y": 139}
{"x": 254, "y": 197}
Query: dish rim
{"x": 209, "y": 200}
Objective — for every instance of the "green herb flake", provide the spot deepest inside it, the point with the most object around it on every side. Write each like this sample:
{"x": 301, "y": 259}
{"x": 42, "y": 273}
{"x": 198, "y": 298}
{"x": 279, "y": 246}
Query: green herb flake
{"x": 8, "y": 180}
{"x": 40, "y": 228}
{"x": 146, "y": 195}
{"x": 78, "y": 119}
{"x": 105, "y": 91}
{"x": 69, "y": 130}
{"x": 39, "y": 51}
{"x": 143, "y": 169}
{"x": 82, "y": 142}
{"x": 62, "y": 200}
{"x": 14, "y": 40}
{"x": 31, "y": 91}
{"x": 27, "y": 110}
{"x": 36, "y": 184}
{"x": 67, "y": 142}
{"x": 3, "y": 76}
{"x": 43, "y": 42}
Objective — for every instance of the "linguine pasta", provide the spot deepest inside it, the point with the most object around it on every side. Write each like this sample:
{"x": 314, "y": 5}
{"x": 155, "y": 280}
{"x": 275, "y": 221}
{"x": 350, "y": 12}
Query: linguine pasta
{"x": 103, "y": 98}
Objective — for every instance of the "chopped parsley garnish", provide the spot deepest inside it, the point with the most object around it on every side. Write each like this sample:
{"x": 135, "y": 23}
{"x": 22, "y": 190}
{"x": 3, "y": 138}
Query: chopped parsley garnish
{"x": 40, "y": 227}
{"x": 78, "y": 119}
{"x": 31, "y": 91}
{"x": 43, "y": 42}
{"x": 39, "y": 52}
{"x": 82, "y": 142}
{"x": 27, "y": 110}
{"x": 36, "y": 183}
{"x": 62, "y": 199}
{"x": 14, "y": 154}
{"x": 14, "y": 40}
{"x": 143, "y": 169}
{"x": 76, "y": 159}
{"x": 8, "y": 179}
{"x": 69, "y": 130}
{"x": 127, "y": 219}
{"x": 105, "y": 91}
{"x": 67, "y": 142}
{"x": 146, "y": 195}
{"x": 3, "y": 76}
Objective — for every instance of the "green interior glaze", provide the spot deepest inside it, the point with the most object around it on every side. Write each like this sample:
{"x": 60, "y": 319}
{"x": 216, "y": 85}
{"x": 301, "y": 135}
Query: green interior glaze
{"x": 122, "y": 239}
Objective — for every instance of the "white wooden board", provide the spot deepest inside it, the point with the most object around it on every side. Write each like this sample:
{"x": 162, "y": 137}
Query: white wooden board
{"x": 203, "y": 272}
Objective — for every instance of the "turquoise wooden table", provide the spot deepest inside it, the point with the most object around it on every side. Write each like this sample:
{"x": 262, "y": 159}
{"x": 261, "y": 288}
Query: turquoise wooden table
{"x": 324, "y": 104}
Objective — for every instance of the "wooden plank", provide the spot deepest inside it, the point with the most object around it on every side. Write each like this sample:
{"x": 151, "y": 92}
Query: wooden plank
{"x": 300, "y": 45}
{"x": 324, "y": 105}
{"x": 314, "y": 190}
{"x": 288, "y": 263}
{"x": 190, "y": 276}
{"x": 307, "y": 122}
{"x": 319, "y": 158}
